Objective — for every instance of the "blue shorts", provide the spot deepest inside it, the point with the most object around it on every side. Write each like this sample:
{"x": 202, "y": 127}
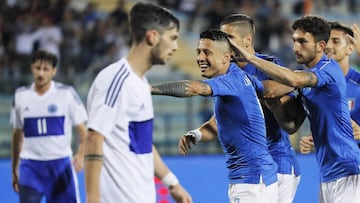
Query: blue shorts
{"x": 54, "y": 179}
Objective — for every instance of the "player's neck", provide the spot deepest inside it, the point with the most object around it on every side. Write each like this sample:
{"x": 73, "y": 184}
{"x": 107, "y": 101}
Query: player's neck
{"x": 345, "y": 65}
{"x": 42, "y": 89}
{"x": 139, "y": 60}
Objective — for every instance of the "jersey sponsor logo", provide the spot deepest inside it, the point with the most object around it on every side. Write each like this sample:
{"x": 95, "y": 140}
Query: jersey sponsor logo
{"x": 141, "y": 136}
{"x": 44, "y": 126}
{"x": 52, "y": 108}
{"x": 351, "y": 103}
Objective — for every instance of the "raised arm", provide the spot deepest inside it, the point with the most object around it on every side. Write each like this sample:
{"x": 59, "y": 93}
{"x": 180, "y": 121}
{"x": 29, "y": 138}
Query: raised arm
{"x": 284, "y": 75}
{"x": 356, "y": 39}
{"x": 184, "y": 88}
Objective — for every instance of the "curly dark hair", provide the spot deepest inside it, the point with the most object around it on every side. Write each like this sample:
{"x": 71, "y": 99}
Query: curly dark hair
{"x": 314, "y": 25}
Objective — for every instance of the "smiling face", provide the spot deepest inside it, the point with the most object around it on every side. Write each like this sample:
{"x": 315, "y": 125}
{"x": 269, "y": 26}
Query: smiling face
{"x": 213, "y": 57}
{"x": 338, "y": 46}
{"x": 43, "y": 72}
{"x": 166, "y": 46}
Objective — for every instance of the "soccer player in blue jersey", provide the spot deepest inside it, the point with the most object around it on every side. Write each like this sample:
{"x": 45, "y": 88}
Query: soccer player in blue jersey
{"x": 238, "y": 120}
{"x": 120, "y": 159}
{"x": 340, "y": 47}
{"x": 322, "y": 88}
{"x": 43, "y": 115}
{"x": 241, "y": 29}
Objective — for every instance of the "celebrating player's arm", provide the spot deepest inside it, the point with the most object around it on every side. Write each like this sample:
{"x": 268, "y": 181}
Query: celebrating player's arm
{"x": 306, "y": 144}
{"x": 16, "y": 145}
{"x": 281, "y": 74}
{"x": 93, "y": 165}
{"x": 78, "y": 159}
{"x": 356, "y": 39}
{"x": 178, "y": 193}
{"x": 206, "y": 132}
{"x": 356, "y": 129}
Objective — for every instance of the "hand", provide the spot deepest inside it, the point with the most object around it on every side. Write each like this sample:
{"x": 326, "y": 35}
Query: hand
{"x": 306, "y": 144}
{"x": 78, "y": 162}
{"x": 15, "y": 181}
{"x": 356, "y": 130}
{"x": 179, "y": 194}
{"x": 356, "y": 39}
{"x": 240, "y": 53}
{"x": 185, "y": 143}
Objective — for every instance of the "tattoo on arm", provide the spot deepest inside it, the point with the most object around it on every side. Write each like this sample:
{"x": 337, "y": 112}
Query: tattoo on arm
{"x": 311, "y": 80}
{"x": 176, "y": 89}
{"x": 93, "y": 157}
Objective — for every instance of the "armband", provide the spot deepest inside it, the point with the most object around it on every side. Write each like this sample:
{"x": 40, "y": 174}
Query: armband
{"x": 195, "y": 134}
{"x": 170, "y": 180}
{"x": 93, "y": 157}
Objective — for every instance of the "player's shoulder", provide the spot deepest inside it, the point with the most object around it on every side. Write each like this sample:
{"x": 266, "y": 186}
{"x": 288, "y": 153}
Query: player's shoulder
{"x": 267, "y": 57}
{"x": 354, "y": 75}
{"x": 111, "y": 69}
{"x": 22, "y": 89}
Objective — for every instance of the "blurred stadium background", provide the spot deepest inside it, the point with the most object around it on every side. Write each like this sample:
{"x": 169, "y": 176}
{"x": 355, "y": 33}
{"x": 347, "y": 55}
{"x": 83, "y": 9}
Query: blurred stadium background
{"x": 94, "y": 33}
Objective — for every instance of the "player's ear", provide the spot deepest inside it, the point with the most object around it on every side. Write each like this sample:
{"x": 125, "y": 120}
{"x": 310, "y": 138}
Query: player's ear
{"x": 152, "y": 37}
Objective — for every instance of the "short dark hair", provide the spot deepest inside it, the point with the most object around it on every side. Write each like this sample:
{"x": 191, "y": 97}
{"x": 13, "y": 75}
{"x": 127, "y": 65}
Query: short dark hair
{"x": 315, "y": 25}
{"x": 215, "y": 35}
{"x": 241, "y": 19}
{"x": 45, "y": 56}
{"x": 147, "y": 16}
{"x": 338, "y": 26}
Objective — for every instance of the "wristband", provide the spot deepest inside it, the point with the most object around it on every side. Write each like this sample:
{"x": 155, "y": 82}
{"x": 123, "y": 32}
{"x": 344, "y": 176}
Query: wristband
{"x": 195, "y": 134}
{"x": 170, "y": 180}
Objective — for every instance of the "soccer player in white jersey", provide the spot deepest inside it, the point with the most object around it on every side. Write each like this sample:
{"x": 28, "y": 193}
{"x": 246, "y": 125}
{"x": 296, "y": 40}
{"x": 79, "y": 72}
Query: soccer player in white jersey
{"x": 43, "y": 115}
{"x": 120, "y": 159}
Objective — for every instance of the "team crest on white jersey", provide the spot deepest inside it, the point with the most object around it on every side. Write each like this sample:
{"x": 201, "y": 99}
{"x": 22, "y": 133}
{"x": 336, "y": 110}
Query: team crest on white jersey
{"x": 52, "y": 108}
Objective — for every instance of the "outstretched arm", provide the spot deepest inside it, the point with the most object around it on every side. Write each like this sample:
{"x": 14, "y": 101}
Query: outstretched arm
{"x": 283, "y": 75}
{"x": 274, "y": 89}
{"x": 179, "y": 194}
{"x": 184, "y": 88}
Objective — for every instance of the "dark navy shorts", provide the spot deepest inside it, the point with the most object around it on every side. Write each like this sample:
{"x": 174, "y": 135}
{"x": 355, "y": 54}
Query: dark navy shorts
{"x": 54, "y": 179}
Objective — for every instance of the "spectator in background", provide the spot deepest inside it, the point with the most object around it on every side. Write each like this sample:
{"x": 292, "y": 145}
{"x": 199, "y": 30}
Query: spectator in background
{"x": 49, "y": 37}
{"x": 71, "y": 46}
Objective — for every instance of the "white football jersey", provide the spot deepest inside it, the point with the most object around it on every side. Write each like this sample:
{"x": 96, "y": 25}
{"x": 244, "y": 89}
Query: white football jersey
{"x": 47, "y": 120}
{"x": 120, "y": 108}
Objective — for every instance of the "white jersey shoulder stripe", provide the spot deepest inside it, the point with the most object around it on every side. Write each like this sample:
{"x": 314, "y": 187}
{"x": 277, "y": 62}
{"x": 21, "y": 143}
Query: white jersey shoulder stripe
{"x": 115, "y": 86}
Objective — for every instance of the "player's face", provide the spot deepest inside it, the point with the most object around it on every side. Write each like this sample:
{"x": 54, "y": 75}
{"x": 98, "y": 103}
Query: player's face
{"x": 167, "y": 45}
{"x": 338, "y": 47}
{"x": 43, "y": 72}
{"x": 211, "y": 58}
{"x": 305, "y": 48}
{"x": 234, "y": 35}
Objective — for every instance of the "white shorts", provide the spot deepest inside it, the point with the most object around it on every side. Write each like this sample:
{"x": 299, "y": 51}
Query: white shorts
{"x": 345, "y": 189}
{"x": 253, "y": 193}
{"x": 287, "y": 187}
